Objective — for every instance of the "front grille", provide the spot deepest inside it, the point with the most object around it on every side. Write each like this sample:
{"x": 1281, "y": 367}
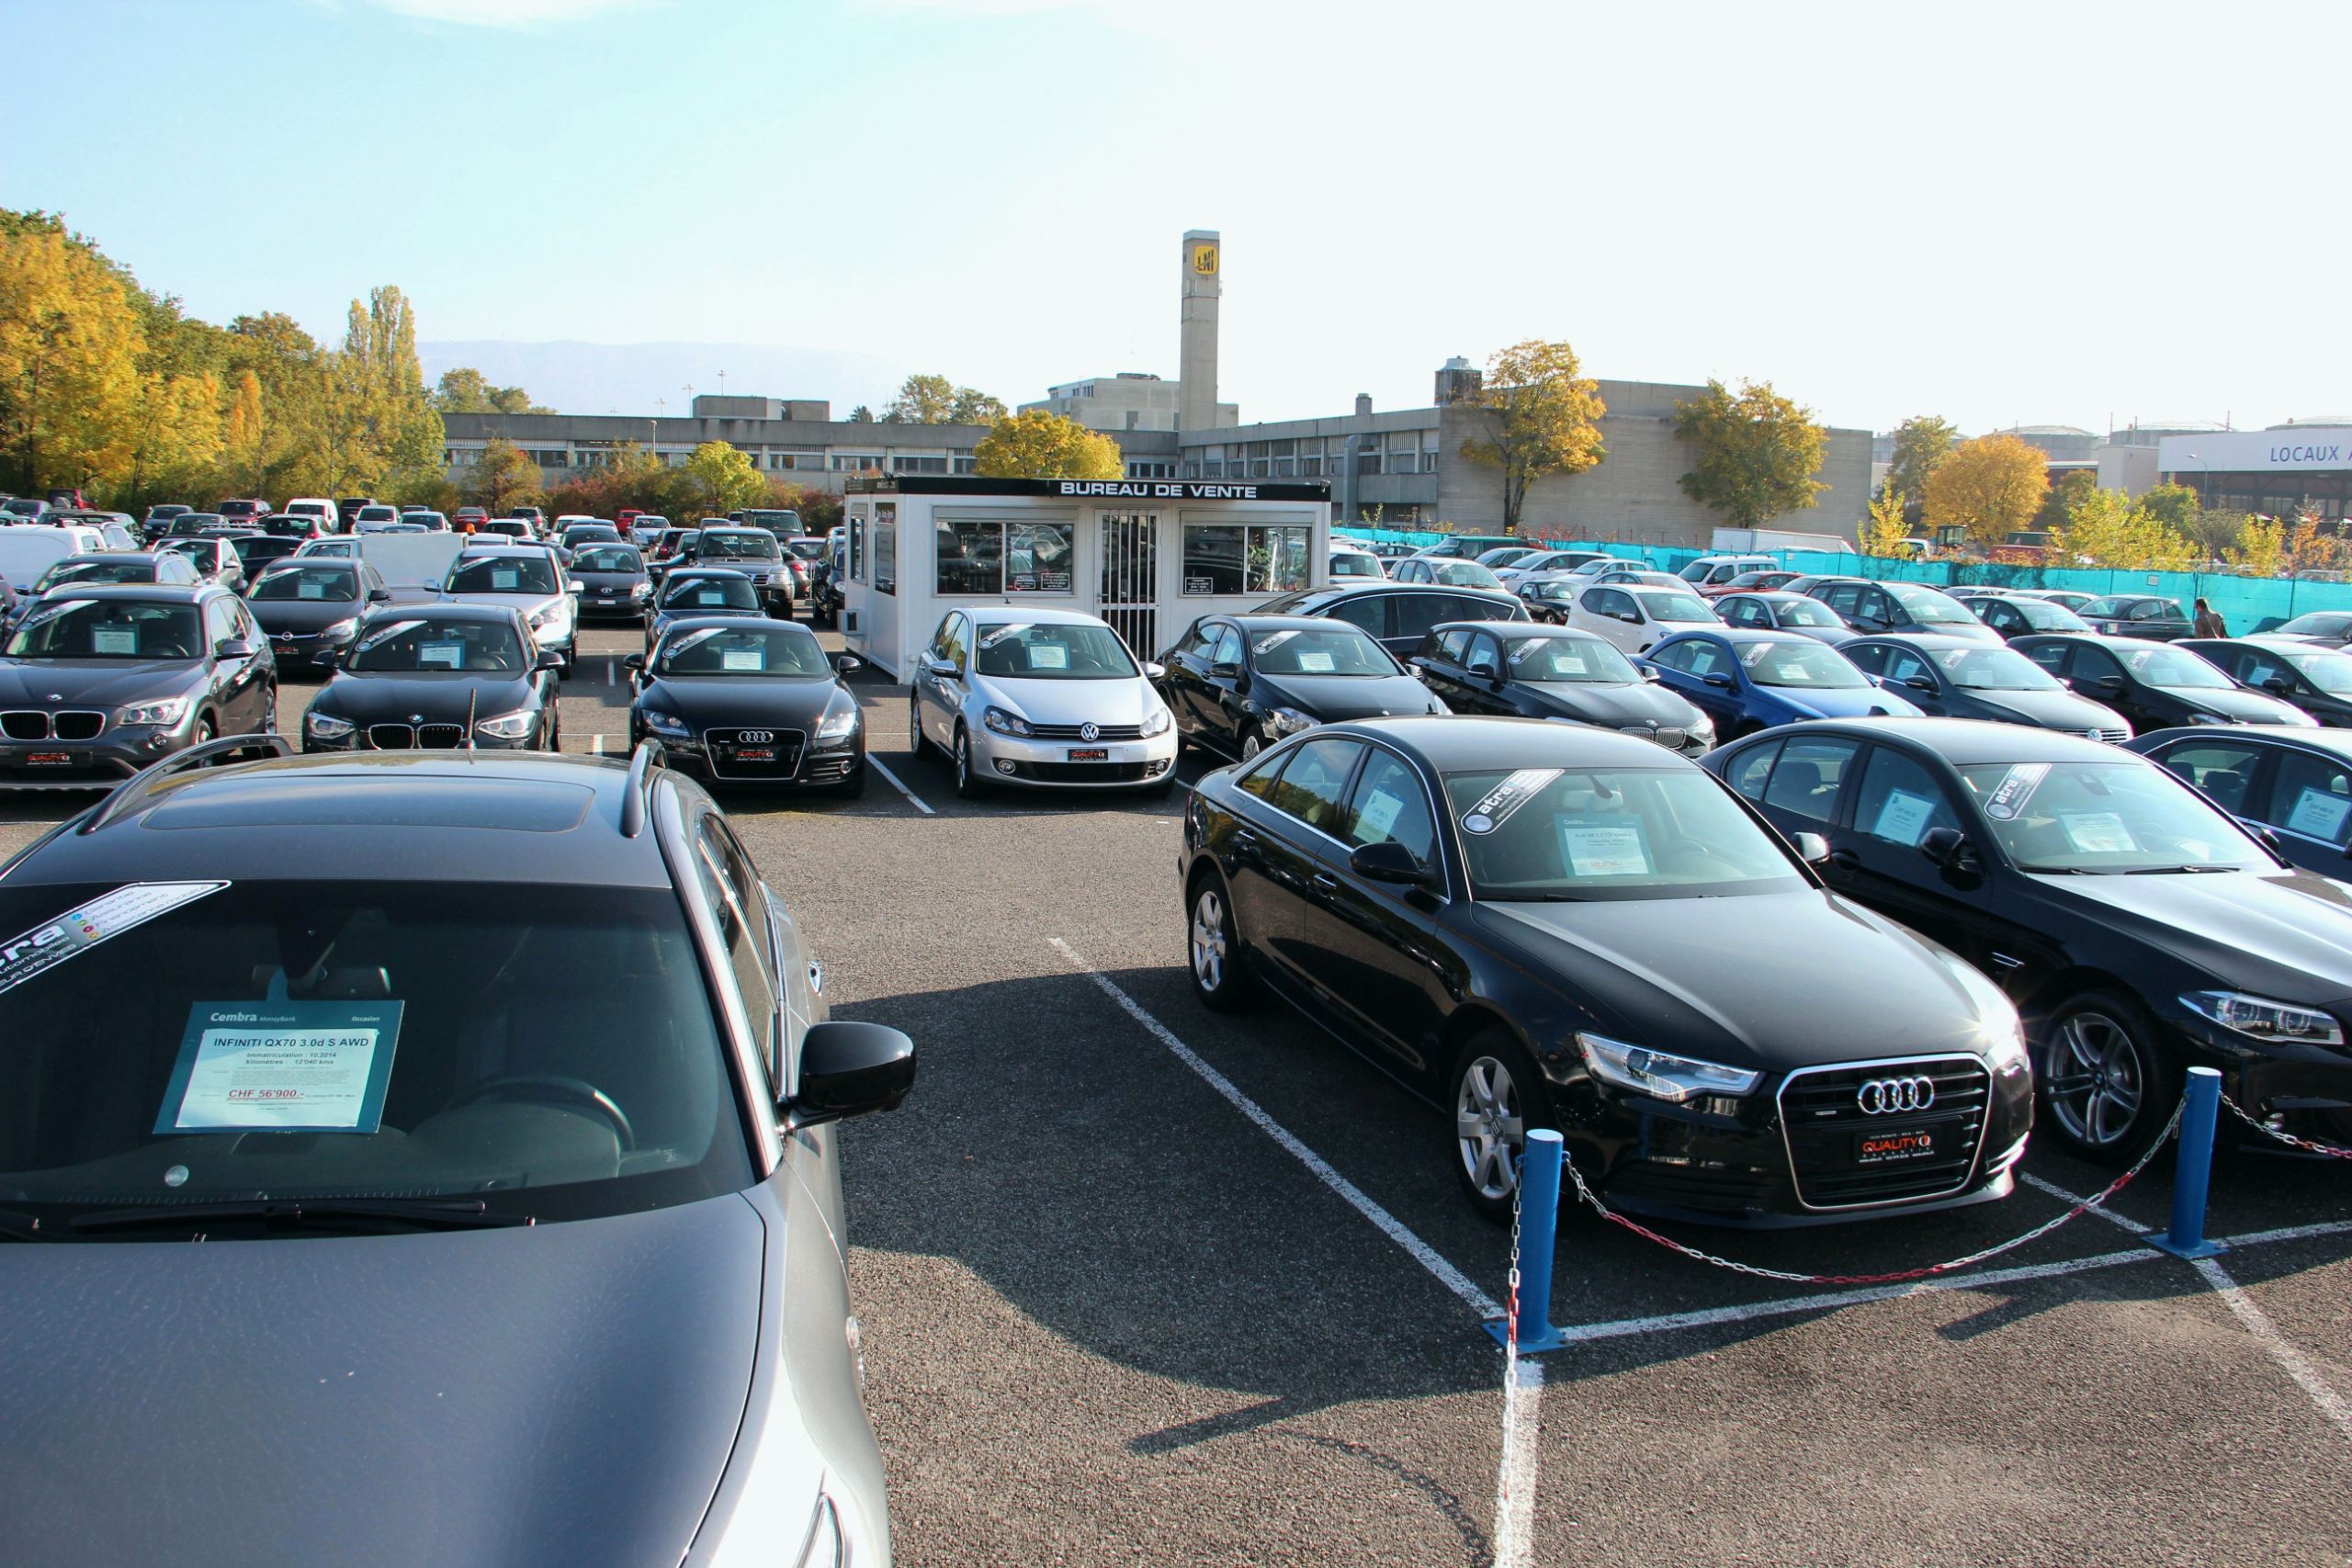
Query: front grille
{"x": 1070, "y": 732}
{"x": 78, "y": 726}
{"x": 1086, "y": 772}
{"x": 721, "y": 746}
{"x": 2112, "y": 736}
{"x": 1663, "y": 736}
{"x": 22, "y": 724}
{"x": 1820, "y": 1118}
{"x": 391, "y": 737}
{"x": 441, "y": 737}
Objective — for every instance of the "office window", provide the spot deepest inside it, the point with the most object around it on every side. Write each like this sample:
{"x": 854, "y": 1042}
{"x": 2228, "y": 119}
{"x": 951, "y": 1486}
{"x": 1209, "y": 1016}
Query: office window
{"x": 1213, "y": 469}
{"x": 885, "y": 547}
{"x": 1284, "y": 467}
{"x": 906, "y": 464}
{"x": 967, "y": 465}
{"x": 1311, "y": 466}
{"x": 857, "y": 463}
{"x": 990, "y": 558}
{"x": 1258, "y": 467}
{"x": 1235, "y": 557}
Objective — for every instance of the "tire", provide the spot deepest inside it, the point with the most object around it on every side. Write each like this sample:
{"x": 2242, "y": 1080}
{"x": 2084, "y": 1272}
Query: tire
{"x": 1251, "y": 744}
{"x": 917, "y": 745}
{"x": 554, "y": 733}
{"x": 206, "y": 730}
{"x": 269, "y": 713}
{"x": 2106, "y": 1080}
{"x": 970, "y": 786}
{"x": 1213, "y": 950}
{"x": 1494, "y": 1094}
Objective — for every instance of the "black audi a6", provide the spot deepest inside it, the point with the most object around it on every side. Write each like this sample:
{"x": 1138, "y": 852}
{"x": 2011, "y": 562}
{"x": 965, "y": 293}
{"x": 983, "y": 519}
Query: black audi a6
{"x": 1238, "y": 684}
{"x": 751, "y": 702}
{"x": 437, "y": 677}
{"x": 1538, "y": 924}
{"x": 1505, "y": 668}
{"x": 2140, "y": 929}
{"x": 1952, "y": 677}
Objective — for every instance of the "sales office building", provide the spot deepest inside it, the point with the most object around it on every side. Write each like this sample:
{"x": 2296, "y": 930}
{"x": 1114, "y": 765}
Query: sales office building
{"x": 1149, "y": 556}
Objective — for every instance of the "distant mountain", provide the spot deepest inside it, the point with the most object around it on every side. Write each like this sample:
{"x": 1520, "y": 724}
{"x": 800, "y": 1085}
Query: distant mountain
{"x": 629, "y": 377}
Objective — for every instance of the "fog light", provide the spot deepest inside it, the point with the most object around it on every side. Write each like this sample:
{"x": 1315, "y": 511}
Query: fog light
{"x": 1004, "y": 765}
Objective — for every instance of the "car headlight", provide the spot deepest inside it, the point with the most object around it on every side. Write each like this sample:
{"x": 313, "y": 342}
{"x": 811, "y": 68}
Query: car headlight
{"x": 164, "y": 712}
{"x": 1289, "y": 721}
{"x": 1005, "y": 723}
{"x": 1702, "y": 725}
{"x": 840, "y": 719}
{"x": 639, "y": 589}
{"x": 342, "y": 631}
{"x": 667, "y": 725}
{"x": 2264, "y": 1019}
{"x": 1658, "y": 1075}
{"x": 326, "y": 727}
{"x": 2005, "y": 1047}
{"x": 1157, "y": 723}
{"x": 507, "y": 725}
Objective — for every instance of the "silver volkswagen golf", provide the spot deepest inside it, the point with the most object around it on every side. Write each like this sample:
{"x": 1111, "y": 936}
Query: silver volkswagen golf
{"x": 1045, "y": 698}
{"x": 501, "y": 1091}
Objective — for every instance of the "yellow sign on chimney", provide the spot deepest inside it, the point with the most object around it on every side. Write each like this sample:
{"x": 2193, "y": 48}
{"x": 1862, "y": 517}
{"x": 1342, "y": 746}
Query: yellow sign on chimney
{"x": 1204, "y": 260}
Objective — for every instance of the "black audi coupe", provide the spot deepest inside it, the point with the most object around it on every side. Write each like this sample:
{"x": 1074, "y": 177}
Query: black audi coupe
{"x": 1539, "y": 924}
{"x": 743, "y": 701}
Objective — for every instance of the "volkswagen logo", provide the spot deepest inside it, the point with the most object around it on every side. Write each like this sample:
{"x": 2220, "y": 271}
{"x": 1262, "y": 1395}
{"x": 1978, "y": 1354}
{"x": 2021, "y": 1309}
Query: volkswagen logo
{"x": 757, "y": 738}
{"x": 1886, "y": 1097}
{"x": 1090, "y": 731}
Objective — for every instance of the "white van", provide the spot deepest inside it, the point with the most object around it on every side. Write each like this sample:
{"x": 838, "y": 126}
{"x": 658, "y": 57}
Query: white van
{"x": 28, "y": 550}
{"x": 1714, "y": 571}
{"x": 314, "y": 506}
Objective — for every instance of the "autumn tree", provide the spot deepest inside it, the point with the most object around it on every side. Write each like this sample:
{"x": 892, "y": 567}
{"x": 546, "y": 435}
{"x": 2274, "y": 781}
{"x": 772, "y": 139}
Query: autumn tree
{"x": 1542, "y": 417}
{"x": 1921, "y": 444}
{"x": 724, "y": 479}
{"x": 2309, "y": 550}
{"x": 1883, "y": 529}
{"x": 1042, "y": 446}
{"x": 935, "y": 400}
{"x": 502, "y": 477}
{"x": 1990, "y": 488}
{"x": 465, "y": 390}
{"x": 2107, "y": 528}
{"x": 2071, "y": 489}
{"x": 1758, "y": 452}
{"x": 69, "y": 345}
{"x": 2260, "y": 549}
{"x": 242, "y": 435}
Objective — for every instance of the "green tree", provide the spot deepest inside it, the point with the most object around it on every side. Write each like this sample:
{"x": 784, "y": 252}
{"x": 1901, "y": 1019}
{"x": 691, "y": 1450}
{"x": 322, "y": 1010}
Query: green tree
{"x": 1758, "y": 452}
{"x": 502, "y": 477}
{"x": 2105, "y": 528}
{"x": 724, "y": 479}
{"x": 973, "y": 406}
{"x": 1990, "y": 488}
{"x": 860, "y": 414}
{"x": 2069, "y": 490}
{"x": 1042, "y": 446}
{"x": 2260, "y": 549}
{"x": 1921, "y": 444}
{"x": 70, "y": 342}
{"x": 935, "y": 400}
{"x": 1542, "y": 417}
{"x": 465, "y": 390}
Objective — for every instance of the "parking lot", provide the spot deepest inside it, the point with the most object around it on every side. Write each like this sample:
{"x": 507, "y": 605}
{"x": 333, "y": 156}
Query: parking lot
{"x": 1143, "y": 1283}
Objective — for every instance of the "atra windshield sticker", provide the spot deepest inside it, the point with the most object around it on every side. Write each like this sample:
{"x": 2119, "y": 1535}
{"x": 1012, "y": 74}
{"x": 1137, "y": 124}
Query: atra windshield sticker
{"x": 1904, "y": 818}
{"x": 1313, "y": 661}
{"x": 1494, "y": 808}
{"x": 377, "y": 639}
{"x": 2015, "y": 789}
{"x": 1603, "y": 846}
{"x": 75, "y": 932}
{"x": 447, "y": 655}
{"x": 1048, "y": 656}
{"x": 2319, "y": 814}
{"x": 744, "y": 658}
{"x": 281, "y": 1067}
{"x": 2097, "y": 833}
{"x": 114, "y": 642}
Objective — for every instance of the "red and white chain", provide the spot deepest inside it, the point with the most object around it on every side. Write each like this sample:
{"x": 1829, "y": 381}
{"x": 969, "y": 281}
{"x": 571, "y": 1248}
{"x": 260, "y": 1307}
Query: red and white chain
{"x": 2307, "y": 1144}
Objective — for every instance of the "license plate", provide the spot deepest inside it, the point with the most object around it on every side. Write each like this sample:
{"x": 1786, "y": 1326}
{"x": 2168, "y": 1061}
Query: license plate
{"x": 49, "y": 759}
{"x": 1090, "y": 754}
{"x": 755, "y": 754}
{"x": 1893, "y": 1147}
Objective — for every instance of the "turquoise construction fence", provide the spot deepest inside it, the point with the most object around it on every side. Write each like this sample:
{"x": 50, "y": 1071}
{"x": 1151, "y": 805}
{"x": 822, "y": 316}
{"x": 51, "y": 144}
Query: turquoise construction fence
{"x": 2244, "y": 603}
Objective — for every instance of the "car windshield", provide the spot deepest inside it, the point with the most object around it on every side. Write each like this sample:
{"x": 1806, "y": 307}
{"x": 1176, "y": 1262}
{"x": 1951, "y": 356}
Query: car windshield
{"x": 736, "y": 545}
{"x": 1020, "y": 650}
{"x": 1802, "y": 612}
{"x": 502, "y": 574}
{"x": 1992, "y": 670}
{"x": 1809, "y": 664}
{"x": 2043, "y": 615}
{"x": 1542, "y": 834}
{"x": 2172, "y": 669}
{"x": 1463, "y": 574}
{"x": 609, "y": 558}
{"x": 1582, "y": 660}
{"x": 2106, "y": 817}
{"x": 87, "y": 570}
{"x": 330, "y": 585}
{"x": 688, "y": 594}
{"x": 2317, "y": 626}
{"x": 1930, "y": 607}
{"x": 1671, "y": 604}
{"x": 1558, "y": 592}
{"x": 1334, "y": 649}
{"x": 808, "y": 550}
{"x": 1349, "y": 563}
{"x": 599, "y": 535}
{"x": 377, "y": 514}
{"x": 415, "y": 643}
{"x": 2331, "y": 672}
{"x": 256, "y": 1039}
{"x": 746, "y": 651}
{"x": 107, "y": 629}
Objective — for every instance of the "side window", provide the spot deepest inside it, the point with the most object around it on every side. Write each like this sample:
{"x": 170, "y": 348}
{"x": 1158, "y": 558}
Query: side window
{"x": 1809, "y": 775}
{"x": 959, "y": 638}
{"x": 219, "y": 622}
{"x": 2149, "y": 610}
{"x": 2254, "y": 669}
{"x": 1312, "y": 781}
{"x": 1675, "y": 656}
{"x": 1748, "y": 773}
{"x": 1458, "y": 609}
{"x": 2051, "y": 656}
{"x": 1370, "y": 610}
{"x": 731, "y": 889}
{"x": 1452, "y": 645}
{"x": 1197, "y": 641}
{"x": 1389, "y": 804}
{"x": 1870, "y": 658}
{"x": 1901, "y": 802}
{"x": 1484, "y": 652}
{"x": 1412, "y": 615}
{"x": 1703, "y": 657}
{"x": 1841, "y": 597}
{"x": 1229, "y": 647}
{"x": 2226, "y": 772}
{"x": 1745, "y": 613}
{"x": 1902, "y": 664}
{"x": 1999, "y": 614}
{"x": 1260, "y": 780}
{"x": 2095, "y": 664}
{"x": 943, "y": 640}
{"x": 2312, "y": 797}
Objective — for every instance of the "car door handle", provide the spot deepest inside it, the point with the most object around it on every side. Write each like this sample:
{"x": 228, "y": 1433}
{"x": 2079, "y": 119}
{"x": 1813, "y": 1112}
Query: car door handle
{"x": 1325, "y": 881}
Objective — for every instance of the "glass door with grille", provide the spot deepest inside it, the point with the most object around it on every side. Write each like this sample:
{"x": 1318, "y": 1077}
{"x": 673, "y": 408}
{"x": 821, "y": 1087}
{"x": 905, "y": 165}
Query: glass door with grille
{"x": 1129, "y": 600}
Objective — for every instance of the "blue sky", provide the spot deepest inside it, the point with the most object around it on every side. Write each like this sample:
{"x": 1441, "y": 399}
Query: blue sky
{"x": 2053, "y": 212}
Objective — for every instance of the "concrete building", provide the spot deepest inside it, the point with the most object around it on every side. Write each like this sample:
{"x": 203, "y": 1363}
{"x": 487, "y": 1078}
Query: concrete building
{"x": 1133, "y": 400}
{"x": 2279, "y": 472}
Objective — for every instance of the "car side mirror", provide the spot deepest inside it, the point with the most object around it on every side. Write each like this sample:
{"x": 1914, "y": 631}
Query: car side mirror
{"x": 1812, "y": 848}
{"x": 1919, "y": 683}
{"x": 380, "y": 595}
{"x": 327, "y": 656}
{"x": 1649, "y": 673}
{"x": 633, "y": 661}
{"x": 1224, "y": 672}
{"x": 1946, "y": 847}
{"x": 1153, "y": 671}
{"x": 573, "y": 589}
{"x": 2280, "y": 685}
{"x": 848, "y": 1068}
{"x": 843, "y": 664}
{"x": 549, "y": 660}
{"x": 1484, "y": 669}
{"x": 232, "y": 648}
{"x": 1389, "y": 860}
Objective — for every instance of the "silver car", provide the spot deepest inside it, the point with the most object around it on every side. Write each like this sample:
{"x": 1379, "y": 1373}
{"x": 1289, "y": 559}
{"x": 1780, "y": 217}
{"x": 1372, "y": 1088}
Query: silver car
{"x": 1047, "y": 698}
{"x": 526, "y": 578}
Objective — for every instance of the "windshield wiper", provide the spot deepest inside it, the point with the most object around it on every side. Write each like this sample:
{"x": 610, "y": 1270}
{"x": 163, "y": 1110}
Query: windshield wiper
{"x": 2062, "y": 871}
{"x": 2172, "y": 870}
{"x": 421, "y": 1214}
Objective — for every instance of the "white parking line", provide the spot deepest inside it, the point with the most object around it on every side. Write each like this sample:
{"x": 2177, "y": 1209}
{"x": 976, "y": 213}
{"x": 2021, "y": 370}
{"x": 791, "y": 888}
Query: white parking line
{"x": 877, "y": 766}
{"x": 1523, "y": 1386}
{"x": 611, "y": 668}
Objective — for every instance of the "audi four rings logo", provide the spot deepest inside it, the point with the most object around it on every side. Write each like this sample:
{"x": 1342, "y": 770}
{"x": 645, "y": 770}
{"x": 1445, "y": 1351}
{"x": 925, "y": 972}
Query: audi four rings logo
{"x": 756, "y": 736}
{"x": 1885, "y": 1097}
{"x": 1089, "y": 731}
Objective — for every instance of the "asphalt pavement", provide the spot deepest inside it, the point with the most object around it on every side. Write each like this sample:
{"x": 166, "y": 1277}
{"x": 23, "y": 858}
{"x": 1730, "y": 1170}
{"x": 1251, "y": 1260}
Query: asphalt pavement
{"x": 1110, "y": 1318}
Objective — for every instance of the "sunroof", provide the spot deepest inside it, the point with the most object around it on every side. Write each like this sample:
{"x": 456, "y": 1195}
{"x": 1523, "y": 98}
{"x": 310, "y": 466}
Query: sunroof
{"x": 517, "y": 805}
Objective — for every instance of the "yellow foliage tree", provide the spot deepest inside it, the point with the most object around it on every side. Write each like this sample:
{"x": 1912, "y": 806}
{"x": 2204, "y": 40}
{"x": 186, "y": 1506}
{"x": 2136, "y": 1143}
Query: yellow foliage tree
{"x": 723, "y": 478}
{"x": 68, "y": 350}
{"x": 244, "y": 433}
{"x": 2107, "y": 528}
{"x": 2307, "y": 550}
{"x": 1990, "y": 487}
{"x": 2261, "y": 548}
{"x": 1545, "y": 420}
{"x": 1883, "y": 530}
{"x": 1042, "y": 446}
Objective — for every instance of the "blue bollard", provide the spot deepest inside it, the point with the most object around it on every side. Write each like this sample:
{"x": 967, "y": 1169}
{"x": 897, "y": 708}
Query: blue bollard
{"x": 2193, "y": 1172}
{"x": 1539, "y": 1229}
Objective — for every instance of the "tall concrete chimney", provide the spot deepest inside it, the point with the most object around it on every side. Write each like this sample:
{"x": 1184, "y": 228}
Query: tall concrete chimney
{"x": 1196, "y": 394}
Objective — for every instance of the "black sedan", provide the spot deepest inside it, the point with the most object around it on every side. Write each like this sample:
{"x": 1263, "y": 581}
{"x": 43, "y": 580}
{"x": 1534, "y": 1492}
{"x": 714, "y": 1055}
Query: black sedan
{"x": 98, "y": 682}
{"x": 2015, "y": 616}
{"x": 2153, "y": 686}
{"x": 612, "y": 582}
{"x": 1541, "y": 925}
{"x": 311, "y": 608}
{"x": 1949, "y": 678}
{"x": 2139, "y": 930}
{"x": 1504, "y": 669}
{"x": 439, "y": 678}
{"x": 701, "y": 591}
{"x": 2144, "y": 615}
{"x": 1239, "y": 683}
{"x": 2295, "y": 783}
{"x": 1776, "y": 611}
{"x": 751, "y": 702}
{"x": 2315, "y": 679}
{"x": 1399, "y": 615}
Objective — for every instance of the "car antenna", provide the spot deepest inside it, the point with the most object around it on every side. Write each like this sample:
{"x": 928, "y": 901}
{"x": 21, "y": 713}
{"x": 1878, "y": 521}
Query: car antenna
{"x": 471, "y": 698}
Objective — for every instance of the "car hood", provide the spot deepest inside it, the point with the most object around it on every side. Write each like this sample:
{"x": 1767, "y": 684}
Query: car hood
{"x": 1638, "y": 701}
{"x": 1765, "y": 981}
{"x": 743, "y": 699}
{"x": 595, "y": 579}
{"x": 2248, "y": 707}
{"x": 442, "y": 697}
{"x": 2051, "y": 710}
{"x": 1842, "y": 702}
{"x": 304, "y": 615}
{"x": 2277, "y": 933}
{"x": 1334, "y": 698}
{"x": 92, "y": 682}
{"x": 558, "y": 1394}
{"x": 1126, "y": 700}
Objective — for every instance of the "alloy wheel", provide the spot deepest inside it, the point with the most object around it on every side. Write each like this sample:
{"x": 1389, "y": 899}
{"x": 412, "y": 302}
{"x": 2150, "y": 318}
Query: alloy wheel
{"x": 1488, "y": 1129}
{"x": 2096, "y": 1079}
{"x": 1252, "y": 746}
{"x": 1208, "y": 939}
{"x": 915, "y": 726}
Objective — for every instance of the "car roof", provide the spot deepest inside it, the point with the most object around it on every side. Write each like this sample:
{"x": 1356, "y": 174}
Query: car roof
{"x": 1250, "y": 623}
{"x": 1321, "y": 597}
{"x": 1773, "y": 597}
{"x": 1965, "y": 742}
{"x": 1748, "y": 634}
{"x": 2336, "y": 741}
{"x": 690, "y": 573}
{"x": 503, "y": 552}
{"x": 1459, "y": 742}
{"x": 737, "y": 623}
{"x": 2100, "y": 638}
